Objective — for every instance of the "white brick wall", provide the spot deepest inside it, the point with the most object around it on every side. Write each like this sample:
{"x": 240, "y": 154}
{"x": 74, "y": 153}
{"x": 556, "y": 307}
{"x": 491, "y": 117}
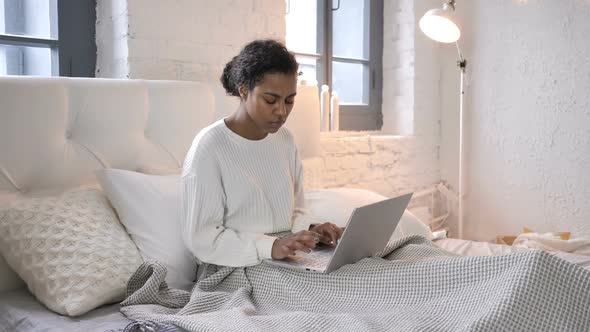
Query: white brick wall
{"x": 398, "y": 67}
{"x": 111, "y": 39}
{"x": 193, "y": 39}
{"x": 389, "y": 165}
{"x": 182, "y": 39}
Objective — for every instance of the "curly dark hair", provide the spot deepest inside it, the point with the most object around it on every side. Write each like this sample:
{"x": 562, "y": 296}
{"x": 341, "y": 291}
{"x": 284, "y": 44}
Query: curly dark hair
{"x": 256, "y": 59}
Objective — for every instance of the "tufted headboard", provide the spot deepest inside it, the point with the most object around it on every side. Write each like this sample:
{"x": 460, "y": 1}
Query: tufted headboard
{"x": 55, "y": 132}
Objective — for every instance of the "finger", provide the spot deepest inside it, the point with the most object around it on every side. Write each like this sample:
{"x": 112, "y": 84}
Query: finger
{"x": 327, "y": 233}
{"x": 337, "y": 232}
{"x": 320, "y": 234}
{"x": 303, "y": 233}
{"x": 296, "y": 245}
{"x": 310, "y": 238}
{"x": 287, "y": 251}
{"x": 332, "y": 235}
{"x": 308, "y": 244}
{"x": 326, "y": 236}
{"x": 303, "y": 246}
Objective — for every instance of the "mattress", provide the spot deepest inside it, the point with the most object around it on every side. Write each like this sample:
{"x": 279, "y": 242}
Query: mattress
{"x": 21, "y": 312}
{"x": 475, "y": 248}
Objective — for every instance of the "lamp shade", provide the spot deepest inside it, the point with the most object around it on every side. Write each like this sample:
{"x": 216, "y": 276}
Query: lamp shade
{"x": 438, "y": 25}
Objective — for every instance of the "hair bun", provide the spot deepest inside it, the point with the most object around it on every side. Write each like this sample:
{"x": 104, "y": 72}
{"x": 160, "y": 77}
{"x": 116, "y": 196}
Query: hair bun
{"x": 227, "y": 80}
{"x": 256, "y": 59}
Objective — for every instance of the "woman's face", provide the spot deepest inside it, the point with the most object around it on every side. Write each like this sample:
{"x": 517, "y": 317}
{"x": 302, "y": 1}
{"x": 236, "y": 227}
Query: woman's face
{"x": 271, "y": 101}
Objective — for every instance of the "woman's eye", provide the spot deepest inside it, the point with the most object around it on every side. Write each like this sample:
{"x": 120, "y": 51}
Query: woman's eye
{"x": 270, "y": 101}
{"x": 289, "y": 101}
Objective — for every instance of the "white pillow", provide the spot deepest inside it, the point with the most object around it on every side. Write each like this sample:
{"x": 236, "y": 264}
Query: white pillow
{"x": 336, "y": 205}
{"x": 149, "y": 207}
{"x": 71, "y": 250}
{"x": 160, "y": 170}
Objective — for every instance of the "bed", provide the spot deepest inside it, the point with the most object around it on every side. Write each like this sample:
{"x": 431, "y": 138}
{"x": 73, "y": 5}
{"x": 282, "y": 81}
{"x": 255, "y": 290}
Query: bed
{"x": 20, "y": 311}
{"x": 478, "y": 248}
{"x": 55, "y": 132}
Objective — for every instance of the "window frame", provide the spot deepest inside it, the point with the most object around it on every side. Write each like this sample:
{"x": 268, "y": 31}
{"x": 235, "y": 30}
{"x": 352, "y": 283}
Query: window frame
{"x": 73, "y": 52}
{"x": 352, "y": 116}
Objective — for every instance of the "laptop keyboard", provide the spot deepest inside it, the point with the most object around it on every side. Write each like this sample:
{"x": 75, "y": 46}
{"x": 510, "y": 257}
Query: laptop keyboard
{"x": 316, "y": 258}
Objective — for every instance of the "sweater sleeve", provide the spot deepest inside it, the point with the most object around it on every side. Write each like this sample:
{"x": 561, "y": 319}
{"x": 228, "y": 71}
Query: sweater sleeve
{"x": 301, "y": 219}
{"x": 204, "y": 233}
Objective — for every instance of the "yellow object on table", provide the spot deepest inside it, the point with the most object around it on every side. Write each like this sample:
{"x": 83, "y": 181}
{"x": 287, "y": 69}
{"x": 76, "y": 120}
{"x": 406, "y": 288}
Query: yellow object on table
{"x": 562, "y": 235}
{"x": 509, "y": 239}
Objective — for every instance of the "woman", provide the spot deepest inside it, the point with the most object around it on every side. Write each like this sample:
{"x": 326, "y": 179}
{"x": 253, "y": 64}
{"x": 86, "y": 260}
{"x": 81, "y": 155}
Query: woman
{"x": 242, "y": 177}
{"x": 242, "y": 180}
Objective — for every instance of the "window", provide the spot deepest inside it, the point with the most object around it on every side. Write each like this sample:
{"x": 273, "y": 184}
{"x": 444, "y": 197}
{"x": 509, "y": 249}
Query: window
{"x": 340, "y": 43}
{"x": 48, "y": 37}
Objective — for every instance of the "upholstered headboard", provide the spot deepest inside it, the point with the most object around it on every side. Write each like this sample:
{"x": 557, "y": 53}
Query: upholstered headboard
{"x": 55, "y": 132}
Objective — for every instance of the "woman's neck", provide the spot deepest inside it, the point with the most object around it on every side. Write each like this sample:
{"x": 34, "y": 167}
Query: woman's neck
{"x": 242, "y": 124}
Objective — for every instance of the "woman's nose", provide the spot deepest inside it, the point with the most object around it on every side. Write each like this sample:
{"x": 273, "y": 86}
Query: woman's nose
{"x": 282, "y": 109}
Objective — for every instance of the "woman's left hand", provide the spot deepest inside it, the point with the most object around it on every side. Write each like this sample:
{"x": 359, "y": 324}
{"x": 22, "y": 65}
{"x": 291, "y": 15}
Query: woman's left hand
{"x": 329, "y": 233}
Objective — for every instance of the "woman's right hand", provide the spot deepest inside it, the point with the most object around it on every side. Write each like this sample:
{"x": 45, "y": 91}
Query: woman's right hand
{"x": 286, "y": 246}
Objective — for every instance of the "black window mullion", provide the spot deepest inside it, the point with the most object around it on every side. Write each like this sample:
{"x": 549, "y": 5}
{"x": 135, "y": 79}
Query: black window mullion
{"x": 76, "y": 28}
{"x": 376, "y": 61}
{"x": 15, "y": 40}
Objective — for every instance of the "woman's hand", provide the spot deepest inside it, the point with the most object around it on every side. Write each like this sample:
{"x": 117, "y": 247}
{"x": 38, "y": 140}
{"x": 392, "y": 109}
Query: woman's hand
{"x": 329, "y": 233}
{"x": 286, "y": 246}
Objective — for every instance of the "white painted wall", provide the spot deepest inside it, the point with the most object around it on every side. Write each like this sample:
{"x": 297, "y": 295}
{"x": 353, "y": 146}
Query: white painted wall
{"x": 528, "y": 124}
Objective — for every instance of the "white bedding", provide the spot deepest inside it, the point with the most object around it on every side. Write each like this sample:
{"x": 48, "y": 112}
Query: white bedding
{"x": 474, "y": 248}
{"x": 21, "y": 312}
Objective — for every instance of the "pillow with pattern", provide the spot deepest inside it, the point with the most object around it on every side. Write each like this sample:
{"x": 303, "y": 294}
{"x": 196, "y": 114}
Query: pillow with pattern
{"x": 71, "y": 250}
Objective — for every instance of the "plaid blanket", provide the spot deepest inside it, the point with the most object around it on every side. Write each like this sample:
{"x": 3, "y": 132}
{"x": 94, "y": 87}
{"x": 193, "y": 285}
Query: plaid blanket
{"x": 412, "y": 286}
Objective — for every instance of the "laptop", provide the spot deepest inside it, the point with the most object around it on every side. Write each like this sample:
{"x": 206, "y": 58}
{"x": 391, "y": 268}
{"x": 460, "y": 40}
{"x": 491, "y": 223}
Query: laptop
{"x": 367, "y": 232}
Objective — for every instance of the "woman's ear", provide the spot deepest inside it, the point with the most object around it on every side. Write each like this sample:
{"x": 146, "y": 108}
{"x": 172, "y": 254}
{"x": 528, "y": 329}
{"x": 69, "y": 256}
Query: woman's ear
{"x": 243, "y": 90}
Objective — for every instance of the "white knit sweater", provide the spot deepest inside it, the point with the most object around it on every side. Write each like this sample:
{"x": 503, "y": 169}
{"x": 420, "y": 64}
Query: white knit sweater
{"x": 235, "y": 190}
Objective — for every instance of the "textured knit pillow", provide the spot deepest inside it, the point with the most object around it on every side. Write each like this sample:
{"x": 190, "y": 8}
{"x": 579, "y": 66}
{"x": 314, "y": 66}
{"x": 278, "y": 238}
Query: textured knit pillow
{"x": 70, "y": 250}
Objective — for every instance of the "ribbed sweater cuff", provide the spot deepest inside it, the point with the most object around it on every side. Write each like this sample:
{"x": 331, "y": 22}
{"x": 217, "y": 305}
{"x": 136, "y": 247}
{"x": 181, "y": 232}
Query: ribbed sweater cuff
{"x": 264, "y": 246}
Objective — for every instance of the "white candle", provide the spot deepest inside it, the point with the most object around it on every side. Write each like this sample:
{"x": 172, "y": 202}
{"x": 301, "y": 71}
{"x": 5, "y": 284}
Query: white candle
{"x": 325, "y": 108}
{"x": 335, "y": 112}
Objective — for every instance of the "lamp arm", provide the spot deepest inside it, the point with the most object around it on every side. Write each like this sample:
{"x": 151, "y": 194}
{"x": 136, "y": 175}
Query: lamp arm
{"x": 462, "y": 63}
{"x": 450, "y": 4}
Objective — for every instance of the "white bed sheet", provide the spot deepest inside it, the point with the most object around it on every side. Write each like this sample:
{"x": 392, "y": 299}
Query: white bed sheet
{"x": 476, "y": 248}
{"x": 21, "y": 312}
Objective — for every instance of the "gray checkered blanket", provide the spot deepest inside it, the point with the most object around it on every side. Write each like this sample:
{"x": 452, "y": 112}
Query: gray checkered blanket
{"x": 411, "y": 286}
